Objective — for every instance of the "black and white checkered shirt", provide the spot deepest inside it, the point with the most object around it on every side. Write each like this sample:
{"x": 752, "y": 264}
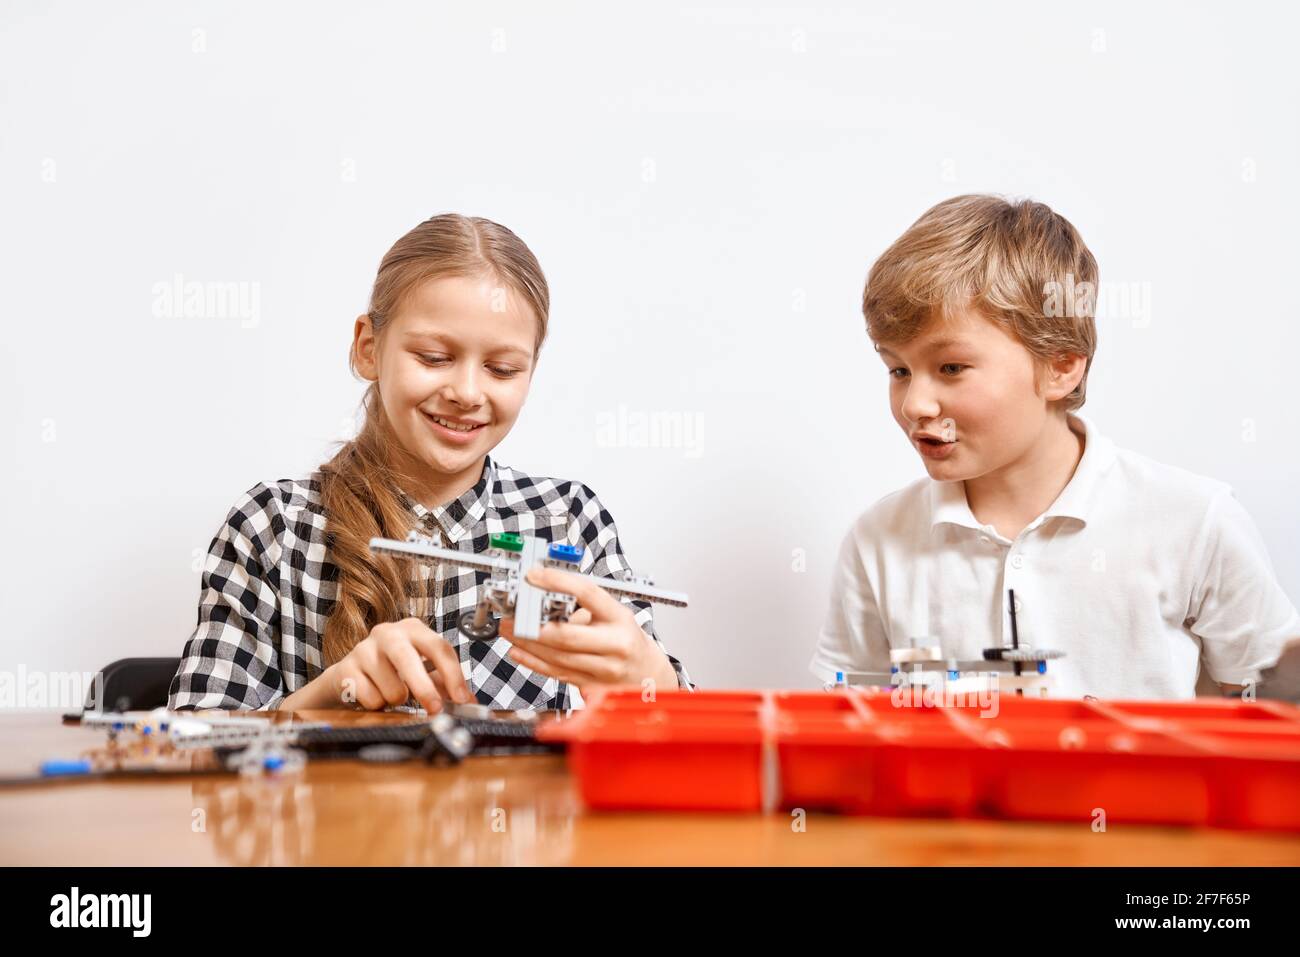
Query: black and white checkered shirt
{"x": 268, "y": 587}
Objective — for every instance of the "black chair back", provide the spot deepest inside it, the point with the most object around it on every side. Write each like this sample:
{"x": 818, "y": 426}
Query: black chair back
{"x": 134, "y": 684}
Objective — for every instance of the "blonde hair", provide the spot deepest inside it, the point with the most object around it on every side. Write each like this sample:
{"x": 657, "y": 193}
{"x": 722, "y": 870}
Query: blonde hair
{"x": 360, "y": 484}
{"x": 1009, "y": 261}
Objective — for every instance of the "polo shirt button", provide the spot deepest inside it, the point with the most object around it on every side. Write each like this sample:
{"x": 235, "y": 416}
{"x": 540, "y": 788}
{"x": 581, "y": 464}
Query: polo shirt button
{"x": 1019, "y": 606}
{"x": 1017, "y": 562}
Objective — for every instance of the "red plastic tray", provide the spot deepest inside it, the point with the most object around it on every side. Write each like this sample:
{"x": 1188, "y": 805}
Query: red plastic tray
{"x": 1203, "y": 762}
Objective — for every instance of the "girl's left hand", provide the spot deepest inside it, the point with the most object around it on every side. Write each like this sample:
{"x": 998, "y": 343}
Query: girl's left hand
{"x": 600, "y": 644}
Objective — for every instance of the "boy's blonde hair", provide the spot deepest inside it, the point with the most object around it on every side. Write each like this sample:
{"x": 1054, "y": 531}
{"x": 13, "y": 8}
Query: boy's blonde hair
{"x": 1019, "y": 264}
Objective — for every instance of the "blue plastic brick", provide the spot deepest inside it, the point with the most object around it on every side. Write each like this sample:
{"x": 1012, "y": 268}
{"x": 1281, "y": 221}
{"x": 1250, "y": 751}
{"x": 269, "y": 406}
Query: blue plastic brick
{"x": 59, "y": 768}
{"x": 565, "y": 553}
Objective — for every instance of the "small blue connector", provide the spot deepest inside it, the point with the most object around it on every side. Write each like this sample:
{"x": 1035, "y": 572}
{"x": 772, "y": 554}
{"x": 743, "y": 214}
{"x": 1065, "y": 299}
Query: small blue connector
{"x": 60, "y": 768}
{"x": 565, "y": 553}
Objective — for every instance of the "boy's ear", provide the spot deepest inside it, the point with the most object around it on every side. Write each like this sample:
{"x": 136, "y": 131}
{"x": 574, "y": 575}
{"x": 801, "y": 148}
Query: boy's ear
{"x": 1062, "y": 375}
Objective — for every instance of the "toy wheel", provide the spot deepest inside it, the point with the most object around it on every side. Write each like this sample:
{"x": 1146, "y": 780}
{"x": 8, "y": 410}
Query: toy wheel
{"x": 486, "y": 633}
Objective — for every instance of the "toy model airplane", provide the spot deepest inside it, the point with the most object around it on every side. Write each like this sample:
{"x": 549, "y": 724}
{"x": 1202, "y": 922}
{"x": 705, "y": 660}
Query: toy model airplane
{"x": 1017, "y": 668}
{"x": 508, "y": 560}
{"x": 1022, "y": 670}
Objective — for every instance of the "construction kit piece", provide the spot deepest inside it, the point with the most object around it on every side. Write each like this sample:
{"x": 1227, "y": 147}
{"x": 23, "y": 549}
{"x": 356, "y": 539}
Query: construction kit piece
{"x": 187, "y": 731}
{"x": 508, "y": 592}
{"x": 162, "y": 742}
{"x": 453, "y": 734}
{"x": 1017, "y": 668}
{"x": 1020, "y": 670}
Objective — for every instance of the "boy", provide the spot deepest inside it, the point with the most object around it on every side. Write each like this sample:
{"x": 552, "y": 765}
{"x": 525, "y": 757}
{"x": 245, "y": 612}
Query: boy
{"x": 1137, "y": 571}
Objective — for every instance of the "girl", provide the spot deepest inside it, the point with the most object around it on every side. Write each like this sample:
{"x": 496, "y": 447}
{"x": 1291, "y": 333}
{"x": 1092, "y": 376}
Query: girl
{"x": 296, "y": 612}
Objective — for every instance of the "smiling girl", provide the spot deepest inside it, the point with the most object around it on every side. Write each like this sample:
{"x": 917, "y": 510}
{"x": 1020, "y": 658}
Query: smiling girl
{"x": 296, "y": 612}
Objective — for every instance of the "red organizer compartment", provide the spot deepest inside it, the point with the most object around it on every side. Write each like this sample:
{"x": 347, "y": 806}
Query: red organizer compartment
{"x": 820, "y": 740}
{"x": 1256, "y": 773}
{"x": 1025, "y": 735}
{"x": 681, "y": 751}
{"x": 1229, "y": 763}
{"x": 922, "y": 771}
{"x": 1270, "y": 741}
{"x": 1207, "y": 709}
{"x": 922, "y": 757}
{"x": 1135, "y": 776}
{"x": 806, "y": 704}
{"x": 1064, "y": 710}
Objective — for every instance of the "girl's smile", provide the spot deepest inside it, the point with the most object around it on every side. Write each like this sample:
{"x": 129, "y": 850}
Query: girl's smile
{"x": 455, "y": 430}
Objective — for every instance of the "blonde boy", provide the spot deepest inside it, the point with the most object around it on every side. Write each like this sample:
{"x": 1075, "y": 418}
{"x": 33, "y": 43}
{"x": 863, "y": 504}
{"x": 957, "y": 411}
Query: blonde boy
{"x": 1142, "y": 573}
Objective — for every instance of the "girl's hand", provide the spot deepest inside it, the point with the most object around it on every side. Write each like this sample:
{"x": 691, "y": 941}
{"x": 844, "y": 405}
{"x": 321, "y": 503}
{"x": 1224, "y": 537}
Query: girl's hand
{"x": 600, "y": 644}
{"x": 388, "y": 666}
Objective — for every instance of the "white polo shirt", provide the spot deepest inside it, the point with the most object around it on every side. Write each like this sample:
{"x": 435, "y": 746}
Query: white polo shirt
{"x": 1138, "y": 572}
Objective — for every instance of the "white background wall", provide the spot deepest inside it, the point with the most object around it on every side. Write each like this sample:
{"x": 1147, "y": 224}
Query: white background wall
{"x": 705, "y": 189}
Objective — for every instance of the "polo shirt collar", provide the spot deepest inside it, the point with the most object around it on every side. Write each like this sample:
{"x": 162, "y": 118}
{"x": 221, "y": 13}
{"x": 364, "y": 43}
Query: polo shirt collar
{"x": 1076, "y": 499}
{"x": 461, "y": 515}
{"x": 948, "y": 503}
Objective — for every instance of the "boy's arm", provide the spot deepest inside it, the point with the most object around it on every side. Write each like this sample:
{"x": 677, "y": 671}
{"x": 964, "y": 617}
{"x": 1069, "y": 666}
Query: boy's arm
{"x": 1237, "y": 607}
{"x": 853, "y": 637}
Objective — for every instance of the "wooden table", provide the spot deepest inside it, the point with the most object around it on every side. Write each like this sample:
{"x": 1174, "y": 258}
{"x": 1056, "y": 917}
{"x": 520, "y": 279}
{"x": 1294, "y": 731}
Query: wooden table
{"x": 502, "y": 810}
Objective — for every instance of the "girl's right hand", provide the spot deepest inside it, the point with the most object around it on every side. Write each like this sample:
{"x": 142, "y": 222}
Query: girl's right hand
{"x": 399, "y": 660}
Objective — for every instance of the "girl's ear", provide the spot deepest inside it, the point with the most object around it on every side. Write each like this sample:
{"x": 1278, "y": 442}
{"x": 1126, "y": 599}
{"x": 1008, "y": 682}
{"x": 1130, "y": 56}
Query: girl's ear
{"x": 364, "y": 360}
